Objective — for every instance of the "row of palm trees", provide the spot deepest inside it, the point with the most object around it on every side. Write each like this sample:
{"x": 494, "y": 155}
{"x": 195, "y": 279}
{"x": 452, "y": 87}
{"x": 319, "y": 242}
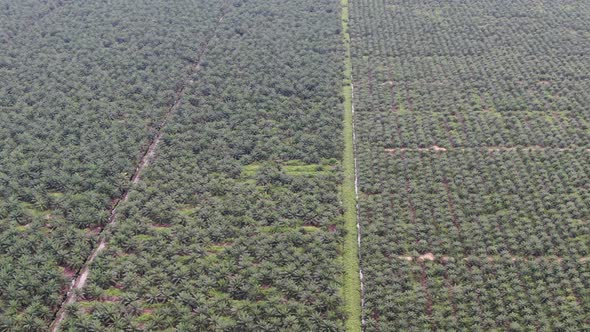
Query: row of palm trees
{"x": 472, "y": 153}
{"x": 478, "y": 292}
{"x": 237, "y": 222}
{"x": 82, "y": 89}
{"x": 474, "y": 130}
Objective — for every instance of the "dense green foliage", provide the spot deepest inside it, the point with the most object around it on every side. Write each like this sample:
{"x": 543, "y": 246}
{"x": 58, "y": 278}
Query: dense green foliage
{"x": 237, "y": 222}
{"x": 79, "y": 95}
{"x": 472, "y": 145}
{"x": 239, "y": 211}
{"x": 480, "y": 203}
{"x": 471, "y": 75}
{"x": 473, "y": 133}
{"x": 229, "y": 230}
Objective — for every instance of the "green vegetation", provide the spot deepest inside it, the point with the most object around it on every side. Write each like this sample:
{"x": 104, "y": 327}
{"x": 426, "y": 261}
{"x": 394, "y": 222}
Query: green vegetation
{"x": 238, "y": 210}
{"x": 472, "y": 149}
{"x": 293, "y": 167}
{"x": 80, "y": 94}
{"x": 351, "y": 289}
{"x": 206, "y": 147}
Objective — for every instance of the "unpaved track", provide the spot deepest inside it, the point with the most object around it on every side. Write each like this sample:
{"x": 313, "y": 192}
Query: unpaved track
{"x": 81, "y": 276}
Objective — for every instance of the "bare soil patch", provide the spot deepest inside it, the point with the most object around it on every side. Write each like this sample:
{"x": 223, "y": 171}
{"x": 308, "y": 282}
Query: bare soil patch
{"x": 426, "y": 257}
{"x": 434, "y": 148}
{"x": 69, "y": 272}
{"x": 161, "y": 225}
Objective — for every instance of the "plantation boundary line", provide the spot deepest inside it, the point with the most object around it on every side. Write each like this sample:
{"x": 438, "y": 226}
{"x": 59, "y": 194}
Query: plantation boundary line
{"x": 80, "y": 278}
{"x": 353, "y": 285}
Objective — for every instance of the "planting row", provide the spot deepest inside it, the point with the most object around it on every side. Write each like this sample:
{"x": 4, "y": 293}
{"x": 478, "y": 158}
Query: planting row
{"x": 476, "y": 202}
{"x": 555, "y": 130}
{"x": 437, "y": 56}
{"x": 478, "y": 294}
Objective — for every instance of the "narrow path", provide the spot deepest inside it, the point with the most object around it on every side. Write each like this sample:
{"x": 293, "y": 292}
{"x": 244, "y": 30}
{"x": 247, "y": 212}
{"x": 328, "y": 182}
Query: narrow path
{"x": 81, "y": 276}
{"x": 353, "y": 288}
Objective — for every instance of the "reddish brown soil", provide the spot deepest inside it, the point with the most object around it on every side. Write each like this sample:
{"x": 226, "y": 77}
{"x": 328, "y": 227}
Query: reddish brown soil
{"x": 93, "y": 231}
{"x": 161, "y": 225}
{"x": 69, "y": 272}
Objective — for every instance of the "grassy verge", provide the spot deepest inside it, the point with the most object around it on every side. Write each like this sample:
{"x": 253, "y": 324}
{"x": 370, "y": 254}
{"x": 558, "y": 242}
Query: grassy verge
{"x": 352, "y": 295}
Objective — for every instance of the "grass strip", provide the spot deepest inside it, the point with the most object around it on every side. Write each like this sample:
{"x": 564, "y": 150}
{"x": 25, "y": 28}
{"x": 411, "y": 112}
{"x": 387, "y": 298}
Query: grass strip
{"x": 352, "y": 287}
